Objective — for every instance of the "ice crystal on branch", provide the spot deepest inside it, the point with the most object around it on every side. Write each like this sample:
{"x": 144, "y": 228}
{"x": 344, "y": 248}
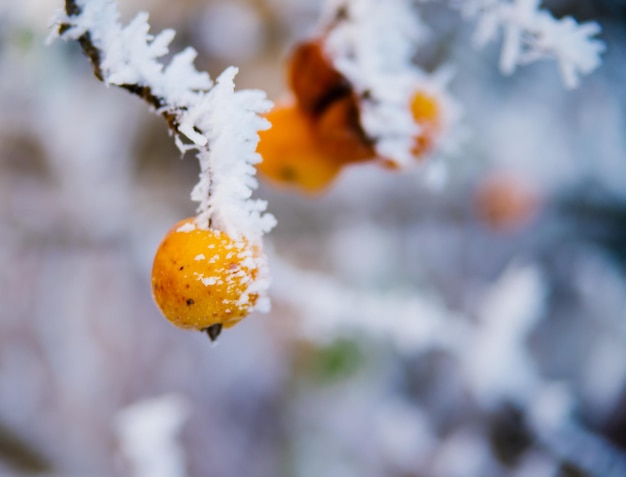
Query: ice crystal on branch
{"x": 220, "y": 124}
{"x": 227, "y": 171}
{"x": 372, "y": 44}
{"x": 148, "y": 434}
{"x": 531, "y": 33}
{"x": 372, "y": 47}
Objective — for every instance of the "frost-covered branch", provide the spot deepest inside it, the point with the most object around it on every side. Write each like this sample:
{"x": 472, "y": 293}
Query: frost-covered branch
{"x": 492, "y": 353}
{"x": 414, "y": 323}
{"x": 372, "y": 43}
{"x": 372, "y": 46}
{"x": 148, "y": 435}
{"x": 531, "y": 33}
{"x": 220, "y": 124}
{"x": 498, "y": 367}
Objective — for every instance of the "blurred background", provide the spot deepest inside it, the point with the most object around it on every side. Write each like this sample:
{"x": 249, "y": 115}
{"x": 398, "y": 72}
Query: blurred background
{"x": 467, "y": 320}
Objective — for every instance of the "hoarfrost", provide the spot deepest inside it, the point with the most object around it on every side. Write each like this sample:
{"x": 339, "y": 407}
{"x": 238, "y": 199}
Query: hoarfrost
{"x": 148, "y": 434}
{"x": 221, "y": 124}
{"x": 531, "y": 34}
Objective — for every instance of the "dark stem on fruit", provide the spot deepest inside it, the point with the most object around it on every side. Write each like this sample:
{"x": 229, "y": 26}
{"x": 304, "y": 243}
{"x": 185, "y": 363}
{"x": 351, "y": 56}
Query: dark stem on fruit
{"x": 213, "y": 331}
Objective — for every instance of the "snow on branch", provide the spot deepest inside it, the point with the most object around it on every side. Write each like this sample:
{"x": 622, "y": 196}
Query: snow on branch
{"x": 148, "y": 432}
{"x": 531, "y": 33}
{"x": 495, "y": 362}
{"x": 372, "y": 43}
{"x": 221, "y": 124}
{"x": 413, "y": 323}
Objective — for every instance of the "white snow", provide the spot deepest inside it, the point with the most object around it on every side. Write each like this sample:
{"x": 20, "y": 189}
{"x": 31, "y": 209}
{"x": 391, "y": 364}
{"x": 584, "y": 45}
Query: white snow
{"x": 148, "y": 435}
{"x": 373, "y": 49}
{"x": 221, "y": 124}
{"x": 187, "y": 227}
{"x": 531, "y": 33}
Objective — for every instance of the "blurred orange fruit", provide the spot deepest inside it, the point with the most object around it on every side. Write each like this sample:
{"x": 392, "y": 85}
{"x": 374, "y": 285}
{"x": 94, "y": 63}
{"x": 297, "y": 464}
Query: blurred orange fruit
{"x": 291, "y": 151}
{"x": 506, "y": 202}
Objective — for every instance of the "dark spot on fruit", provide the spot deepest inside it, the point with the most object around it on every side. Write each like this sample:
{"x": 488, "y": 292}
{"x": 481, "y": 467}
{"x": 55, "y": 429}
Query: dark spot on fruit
{"x": 190, "y": 302}
{"x": 233, "y": 266}
{"x": 288, "y": 174}
{"x": 187, "y": 285}
{"x": 181, "y": 268}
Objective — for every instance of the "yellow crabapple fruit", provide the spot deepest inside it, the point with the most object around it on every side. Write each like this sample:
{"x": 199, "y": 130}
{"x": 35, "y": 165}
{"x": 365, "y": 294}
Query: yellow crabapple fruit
{"x": 201, "y": 278}
{"x": 291, "y": 152}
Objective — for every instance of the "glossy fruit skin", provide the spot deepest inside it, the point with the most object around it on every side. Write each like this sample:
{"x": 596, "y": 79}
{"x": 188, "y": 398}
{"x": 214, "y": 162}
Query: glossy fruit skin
{"x": 201, "y": 277}
{"x": 292, "y": 155}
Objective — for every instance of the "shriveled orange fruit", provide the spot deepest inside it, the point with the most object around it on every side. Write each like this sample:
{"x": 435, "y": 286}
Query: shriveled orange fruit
{"x": 291, "y": 152}
{"x": 329, "y": 102}
{"x": 427, "y": 114}
{"x": 340, "y": 134}
{"x": 202, "y": 279}
{"x": 313, "y": 78}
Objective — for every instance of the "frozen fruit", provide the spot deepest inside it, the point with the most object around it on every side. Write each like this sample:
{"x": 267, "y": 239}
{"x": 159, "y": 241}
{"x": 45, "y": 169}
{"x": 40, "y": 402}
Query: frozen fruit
{"x": 203, "y": 279}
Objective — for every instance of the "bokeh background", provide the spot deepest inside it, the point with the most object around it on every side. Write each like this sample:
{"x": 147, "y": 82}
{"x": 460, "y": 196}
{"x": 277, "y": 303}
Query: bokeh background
{"x": 467, "y": 320}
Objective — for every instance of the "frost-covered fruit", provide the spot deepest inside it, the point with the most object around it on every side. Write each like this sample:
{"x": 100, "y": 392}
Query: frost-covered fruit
{"x": 202, "y": 278}
{"x": 291, "y": 152}
{"x": 427, "y": 114}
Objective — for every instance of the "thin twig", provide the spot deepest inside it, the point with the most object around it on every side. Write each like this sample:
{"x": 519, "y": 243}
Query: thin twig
{"x": 95, "y": 56}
